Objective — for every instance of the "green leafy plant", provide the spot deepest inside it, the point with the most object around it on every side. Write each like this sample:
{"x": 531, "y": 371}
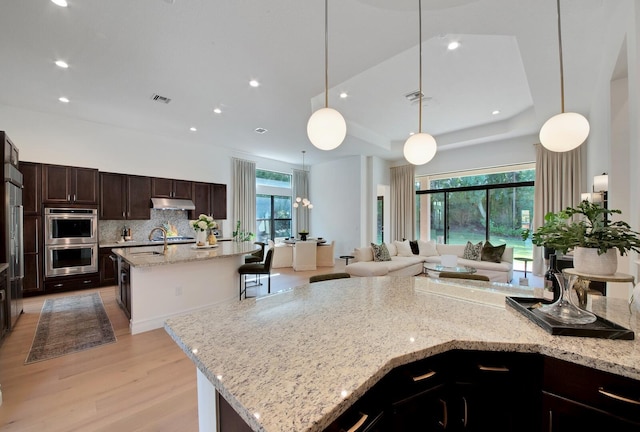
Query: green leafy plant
{"x": 592, "y": 229}
{"x": 240, "y": 235}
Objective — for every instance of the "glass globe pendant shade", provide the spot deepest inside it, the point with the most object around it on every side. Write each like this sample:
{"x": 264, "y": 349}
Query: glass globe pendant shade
{"x": 420, "y": 148}
{"x": 326, "y": 128}
{"x": 564, "y": 132}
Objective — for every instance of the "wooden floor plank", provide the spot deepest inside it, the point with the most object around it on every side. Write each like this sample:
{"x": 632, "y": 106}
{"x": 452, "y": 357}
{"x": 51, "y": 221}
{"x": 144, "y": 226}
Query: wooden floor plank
{"x": 139, "y": 383}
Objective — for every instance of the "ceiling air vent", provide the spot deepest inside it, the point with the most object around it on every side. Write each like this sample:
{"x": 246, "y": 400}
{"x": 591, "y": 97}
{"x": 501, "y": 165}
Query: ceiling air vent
{"x": 260, "y": 130}
{"x": 413, "y": 96}
{"x": 158, "y": 98}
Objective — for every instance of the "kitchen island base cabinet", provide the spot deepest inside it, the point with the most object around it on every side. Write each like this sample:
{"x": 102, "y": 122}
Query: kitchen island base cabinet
{"x": 160, "y": 292}
{"x": 577, "y": 397}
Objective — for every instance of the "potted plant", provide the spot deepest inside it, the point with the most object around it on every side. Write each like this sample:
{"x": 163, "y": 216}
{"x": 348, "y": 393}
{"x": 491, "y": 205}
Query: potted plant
{"x": 588, "y": 232}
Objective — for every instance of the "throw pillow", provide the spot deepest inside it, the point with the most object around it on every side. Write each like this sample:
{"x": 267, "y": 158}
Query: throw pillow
{"x": 414, "y": 247}
{"x": 392, "y": 249}
{"x": 404, "y": 248}
{"x": 380, "y": 252}
{"x": 427, "y": 248}
{"x": 492, "y": 253}
{"x": 472, "y": 252}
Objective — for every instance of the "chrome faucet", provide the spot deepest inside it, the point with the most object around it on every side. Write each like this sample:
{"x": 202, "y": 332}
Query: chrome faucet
{"x": 164, "y": 237}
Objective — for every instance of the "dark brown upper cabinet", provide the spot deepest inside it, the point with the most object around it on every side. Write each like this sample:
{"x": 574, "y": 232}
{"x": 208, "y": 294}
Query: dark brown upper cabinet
{"x": 219, "y": 201}
{"x": 69, "y": 185}
{"x": 124, "y": 197}
{"x": 170, "y": 188}
{"x": 32, "y": 190}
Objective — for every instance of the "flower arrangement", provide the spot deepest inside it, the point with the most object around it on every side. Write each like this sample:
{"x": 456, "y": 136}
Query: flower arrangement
{"x": 203, "y": 223}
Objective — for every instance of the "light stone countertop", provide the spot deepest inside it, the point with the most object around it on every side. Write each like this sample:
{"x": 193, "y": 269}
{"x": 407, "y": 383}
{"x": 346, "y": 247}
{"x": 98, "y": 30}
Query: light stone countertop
{"x": 180, "y": 253}
{"x": 3, "y": 266}
{"x": 137, "y": 243}
{"x": 283, "y": 361}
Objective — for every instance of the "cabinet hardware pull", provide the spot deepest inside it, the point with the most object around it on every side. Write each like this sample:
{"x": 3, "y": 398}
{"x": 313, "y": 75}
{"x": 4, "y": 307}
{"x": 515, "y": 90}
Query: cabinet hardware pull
{"x": 466, "y": 412}
{"x": 2, "y": 296}
{"x": 423, "y": 377}
{"x": 493, "y": 368}
{"x": 58, "y": 285}
{"x": 86, "y": 282}
{"x": 445, "y": 420}
{"x": 359, "y": 423}
{"x": 617, "y": 397}
{"x": 69, "y": 198}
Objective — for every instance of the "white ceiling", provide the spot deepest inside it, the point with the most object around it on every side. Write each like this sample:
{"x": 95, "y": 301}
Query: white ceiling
{"x": 202, "y": 53}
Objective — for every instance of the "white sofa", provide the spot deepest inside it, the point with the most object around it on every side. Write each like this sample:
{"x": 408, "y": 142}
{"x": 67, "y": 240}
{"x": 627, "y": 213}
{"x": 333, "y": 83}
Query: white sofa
{"x": 405, "y": 263}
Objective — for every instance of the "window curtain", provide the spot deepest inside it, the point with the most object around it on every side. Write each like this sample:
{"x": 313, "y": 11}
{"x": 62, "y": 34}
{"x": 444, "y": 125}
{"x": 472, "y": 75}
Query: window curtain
{"x": 244, "y": 196}
{"x": 558, "y": 185}
{"x": 300, "y": 189}
{"x": 403, "y": 202}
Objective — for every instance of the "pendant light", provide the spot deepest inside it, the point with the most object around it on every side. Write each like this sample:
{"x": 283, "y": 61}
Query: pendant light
{"x": 302, "y": 201}
{"x": 420, "y": 148}
{"x": 326, "y": 127}
{"x": 567, "y": 130}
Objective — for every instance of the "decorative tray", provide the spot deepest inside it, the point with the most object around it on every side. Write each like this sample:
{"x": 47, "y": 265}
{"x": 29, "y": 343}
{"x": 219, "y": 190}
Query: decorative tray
{"x": 601, "y": 328}
{"x": 204, "y": 247}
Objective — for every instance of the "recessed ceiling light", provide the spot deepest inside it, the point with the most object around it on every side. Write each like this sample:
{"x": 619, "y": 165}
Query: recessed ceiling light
{"x": 62, "y": 64}
{"x": 344, "y": 95}
{"x": 192, "y": 129}
{"x": 61, "y": 3}
{"x": 254, "y": 83}
{"x": 261, "y": 130}
{"x": 63, "y": 99}
{"x": 453, "y": 45}
{"x": 495, "y": 112}
{"x": 217, "y": 110}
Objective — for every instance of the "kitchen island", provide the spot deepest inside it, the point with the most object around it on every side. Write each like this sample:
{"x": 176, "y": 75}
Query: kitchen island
{"x": 181, "y": 280}
{"x": 298, "y": 359}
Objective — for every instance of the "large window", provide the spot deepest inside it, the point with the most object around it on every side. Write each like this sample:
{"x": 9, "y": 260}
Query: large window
{"x": 273, "y": 205}
{"x": 479, "y": 206}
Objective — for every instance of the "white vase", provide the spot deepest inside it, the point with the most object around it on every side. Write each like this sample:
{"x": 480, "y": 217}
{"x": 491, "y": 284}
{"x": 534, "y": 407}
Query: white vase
{"x": 587, "y": 260}
{"x": 201, "y": 237}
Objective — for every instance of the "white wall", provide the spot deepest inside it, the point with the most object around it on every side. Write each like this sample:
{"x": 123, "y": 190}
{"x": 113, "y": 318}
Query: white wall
{"x": 613, "y": 144}
{"x": 338, "y": 193}
{"x": 47, "y": 138}
{"x": 487, "y": 155}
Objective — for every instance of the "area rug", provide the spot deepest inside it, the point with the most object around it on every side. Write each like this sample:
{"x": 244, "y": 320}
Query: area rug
{"x": 68, "y": 325}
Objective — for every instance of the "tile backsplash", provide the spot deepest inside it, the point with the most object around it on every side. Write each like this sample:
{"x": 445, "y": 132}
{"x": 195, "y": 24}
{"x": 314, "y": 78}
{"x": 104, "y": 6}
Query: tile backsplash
{"x": 111, "y": 230}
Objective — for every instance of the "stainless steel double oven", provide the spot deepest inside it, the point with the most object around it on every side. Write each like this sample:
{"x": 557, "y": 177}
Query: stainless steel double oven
{"x": 71, "y": 241}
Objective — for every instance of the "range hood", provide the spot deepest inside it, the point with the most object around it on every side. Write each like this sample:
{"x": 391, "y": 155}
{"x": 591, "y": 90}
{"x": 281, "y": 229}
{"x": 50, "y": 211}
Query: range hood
{"x": 172, "y": 204}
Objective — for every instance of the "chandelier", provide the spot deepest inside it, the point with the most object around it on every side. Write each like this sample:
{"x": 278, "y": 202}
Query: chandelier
{"x": 302, "y": 201}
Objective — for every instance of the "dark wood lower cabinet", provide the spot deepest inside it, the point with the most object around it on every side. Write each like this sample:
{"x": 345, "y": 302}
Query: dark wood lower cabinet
{"x": 71, "y": 283}
{"x": 564, "y": 415}
{"x": 107, "y": 267}
{"x": 123, "y": 294}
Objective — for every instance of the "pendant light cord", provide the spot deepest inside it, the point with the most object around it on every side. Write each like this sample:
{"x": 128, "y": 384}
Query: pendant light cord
{"x": 326, "y": 54}
{"x": 420, "y": 67}
{"x": 561, "y": 62}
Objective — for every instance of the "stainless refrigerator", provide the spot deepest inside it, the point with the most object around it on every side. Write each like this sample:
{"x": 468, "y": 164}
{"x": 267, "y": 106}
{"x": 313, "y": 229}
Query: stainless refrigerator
{"x": 12, "y": 236}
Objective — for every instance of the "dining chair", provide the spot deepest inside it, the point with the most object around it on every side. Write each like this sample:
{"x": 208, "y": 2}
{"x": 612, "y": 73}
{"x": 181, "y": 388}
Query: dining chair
{"x": 304, "y": 255}
{"x": 256, "y": 269}
{"x": 256, "y": 256}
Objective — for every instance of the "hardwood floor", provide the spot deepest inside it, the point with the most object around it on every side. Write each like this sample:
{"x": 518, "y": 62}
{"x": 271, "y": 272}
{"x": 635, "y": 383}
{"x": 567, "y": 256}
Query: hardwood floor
{"x": 139, "y": 383}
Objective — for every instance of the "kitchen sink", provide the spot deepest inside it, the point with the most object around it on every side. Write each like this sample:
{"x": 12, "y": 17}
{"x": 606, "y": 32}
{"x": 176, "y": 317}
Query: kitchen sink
{"x": 143, "y": 253}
